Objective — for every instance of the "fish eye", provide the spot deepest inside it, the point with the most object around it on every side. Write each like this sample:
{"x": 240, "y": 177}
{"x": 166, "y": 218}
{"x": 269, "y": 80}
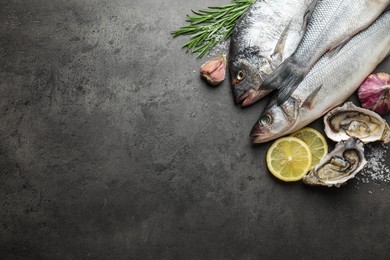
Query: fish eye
{"x": 265, "y": 120}
{"x": 240, "y": 75}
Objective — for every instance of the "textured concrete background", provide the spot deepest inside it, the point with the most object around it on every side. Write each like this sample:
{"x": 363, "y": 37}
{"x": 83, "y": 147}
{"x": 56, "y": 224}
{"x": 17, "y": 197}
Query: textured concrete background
{"x": 111, "y": 147}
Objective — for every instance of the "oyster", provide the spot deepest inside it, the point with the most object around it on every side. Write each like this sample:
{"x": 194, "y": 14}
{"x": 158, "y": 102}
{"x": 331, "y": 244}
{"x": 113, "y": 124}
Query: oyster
{"x": 340, "y": 165}
{"x": 349, "y": 121}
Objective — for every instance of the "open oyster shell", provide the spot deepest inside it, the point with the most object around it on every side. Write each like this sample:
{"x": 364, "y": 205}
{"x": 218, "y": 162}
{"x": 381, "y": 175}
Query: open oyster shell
{"x": 349, "y": 121}
{"x": 340, "y": 165}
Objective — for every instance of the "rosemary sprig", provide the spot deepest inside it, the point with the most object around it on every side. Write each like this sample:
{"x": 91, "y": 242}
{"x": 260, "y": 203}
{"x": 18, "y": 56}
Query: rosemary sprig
{"x": 210, "y": 26}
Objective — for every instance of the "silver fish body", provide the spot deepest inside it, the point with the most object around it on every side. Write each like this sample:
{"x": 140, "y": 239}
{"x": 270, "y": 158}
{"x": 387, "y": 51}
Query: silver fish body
{"x": 267, "y": 33}
{"x": 329, "y": 83}
{"x": 331, "y": 24}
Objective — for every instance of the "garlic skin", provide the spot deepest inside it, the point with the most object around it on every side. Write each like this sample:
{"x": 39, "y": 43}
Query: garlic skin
{"x": 214, "y": 71}
{"x": 374, "y": 93}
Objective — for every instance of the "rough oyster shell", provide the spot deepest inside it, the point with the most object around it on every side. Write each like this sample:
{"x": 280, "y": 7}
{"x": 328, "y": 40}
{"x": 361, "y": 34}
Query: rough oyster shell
{"x": 340, "y": 165}
{"x": 349, "y": 121}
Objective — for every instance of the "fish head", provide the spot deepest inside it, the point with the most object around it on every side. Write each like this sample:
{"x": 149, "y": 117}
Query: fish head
{"x": 275, "y": 121}
{"x": 247, "y": 72}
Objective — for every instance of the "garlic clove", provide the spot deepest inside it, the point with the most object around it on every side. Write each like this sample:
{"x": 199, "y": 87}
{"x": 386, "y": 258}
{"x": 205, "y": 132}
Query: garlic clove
{"x": 374, "y": 93}
{"x": 214, "y": 71}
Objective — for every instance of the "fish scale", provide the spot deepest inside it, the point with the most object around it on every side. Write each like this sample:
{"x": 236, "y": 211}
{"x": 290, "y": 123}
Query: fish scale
{"x": 328, "y": 15}
{"x": 333, "y": 22}
{"x": 330, "y": 82}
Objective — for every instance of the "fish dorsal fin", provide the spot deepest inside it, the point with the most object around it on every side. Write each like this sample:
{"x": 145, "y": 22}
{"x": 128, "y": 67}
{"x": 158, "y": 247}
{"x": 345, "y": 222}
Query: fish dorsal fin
{"x": 308, "y": 13}
{"x": 311, "y": 99}
{"x": 279, "y": 48}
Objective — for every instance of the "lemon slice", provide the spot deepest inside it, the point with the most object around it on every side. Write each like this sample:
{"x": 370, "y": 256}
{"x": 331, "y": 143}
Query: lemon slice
{"x": 289, "y": 159}
{"x": 316, "y": 142}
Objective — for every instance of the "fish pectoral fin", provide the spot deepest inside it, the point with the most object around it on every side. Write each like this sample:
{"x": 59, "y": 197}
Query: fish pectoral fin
{"x": 279, "y": 47}
{"x": 308, "y": 13}
{"x": 286, "y": 77}
{"x": 311, "y": 99}
{"x": 285, "y": 92}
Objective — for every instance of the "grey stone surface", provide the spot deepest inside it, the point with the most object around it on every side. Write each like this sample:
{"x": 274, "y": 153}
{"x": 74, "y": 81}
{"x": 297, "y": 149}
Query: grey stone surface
{"x": 112, "y": 147}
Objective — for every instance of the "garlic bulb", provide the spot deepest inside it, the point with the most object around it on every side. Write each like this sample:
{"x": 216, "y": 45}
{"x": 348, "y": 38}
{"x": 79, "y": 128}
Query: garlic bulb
{"x": 374, "y": 93}
{"x": 214, "y": 71}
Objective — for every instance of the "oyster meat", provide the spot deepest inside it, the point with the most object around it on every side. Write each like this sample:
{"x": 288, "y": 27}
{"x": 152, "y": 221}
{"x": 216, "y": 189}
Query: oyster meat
{"x": 340, "y": 165}
{"x": 349, "y": 121}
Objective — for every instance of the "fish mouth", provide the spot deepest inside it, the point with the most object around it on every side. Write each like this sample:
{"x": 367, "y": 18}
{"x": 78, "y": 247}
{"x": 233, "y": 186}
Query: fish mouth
{"x": 242, "y": 99}
{"x": 259, "y": 135}
{"x": 259, "y": 138}
{"x": 251, "y": 96}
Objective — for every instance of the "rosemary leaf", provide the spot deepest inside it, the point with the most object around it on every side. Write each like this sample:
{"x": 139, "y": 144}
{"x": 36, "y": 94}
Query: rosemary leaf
{"x": 208, "y": 27}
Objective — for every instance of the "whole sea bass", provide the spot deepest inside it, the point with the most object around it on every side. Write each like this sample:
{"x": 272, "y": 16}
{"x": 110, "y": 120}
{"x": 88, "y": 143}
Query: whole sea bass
{"x": 329, "y": 83}
{"x": 331, "y": 24}
{"x": 267, "y": 33}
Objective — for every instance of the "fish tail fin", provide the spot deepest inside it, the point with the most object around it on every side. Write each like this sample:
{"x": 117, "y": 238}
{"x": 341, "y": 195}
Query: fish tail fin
{"x": 285, "y": 79}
